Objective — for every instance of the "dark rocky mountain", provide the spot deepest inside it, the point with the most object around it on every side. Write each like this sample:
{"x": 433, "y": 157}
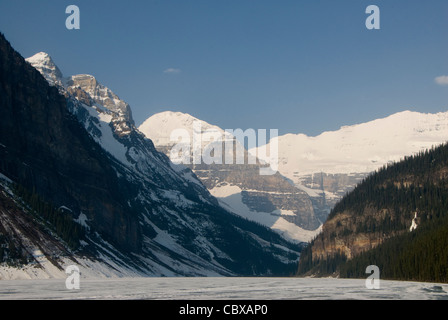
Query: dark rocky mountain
{"x": 45, "y": 148}
{"x": 397, "y": 219}
{"x": 70, "y": 152}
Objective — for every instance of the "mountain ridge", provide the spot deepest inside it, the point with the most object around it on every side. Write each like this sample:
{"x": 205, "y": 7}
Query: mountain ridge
{"x": 329, "y": 165}
{"x": 142, "y": 215}
{"x": 326, "y": 166}
{"x": 269, "y": 200}
{"x": 395, "y": 219}
{"x": 426, "y": 128}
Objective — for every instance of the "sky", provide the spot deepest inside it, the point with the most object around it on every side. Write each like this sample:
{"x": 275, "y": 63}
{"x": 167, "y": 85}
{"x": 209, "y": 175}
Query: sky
{"x": 299, "y": 66}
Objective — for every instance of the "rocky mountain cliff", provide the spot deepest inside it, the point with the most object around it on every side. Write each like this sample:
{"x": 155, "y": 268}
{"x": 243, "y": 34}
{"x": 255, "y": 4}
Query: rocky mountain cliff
{"x": 71, "y": 155}
{"x": 267, "y": 199}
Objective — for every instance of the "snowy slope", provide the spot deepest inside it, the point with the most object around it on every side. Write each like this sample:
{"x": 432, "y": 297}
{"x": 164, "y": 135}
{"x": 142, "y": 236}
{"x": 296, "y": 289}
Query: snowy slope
{"x": 48, "y": 256}
{"x": 230, "y": 197}
{"x": 182, "y": 226}
{"x": 43, "y": 62}
{"x": 160, "y": 126}
{"x": 168, "y": 128}
{"x": 327, "y": 166}
{"x": 361, "y": 148}
{"x": 108, "y": 119}
{"x": 239, "y": 188}
{"x": 331, "y": 164}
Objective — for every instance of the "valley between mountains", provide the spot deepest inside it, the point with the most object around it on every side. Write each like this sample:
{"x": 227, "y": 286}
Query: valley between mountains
{"x": 81, "y": 183}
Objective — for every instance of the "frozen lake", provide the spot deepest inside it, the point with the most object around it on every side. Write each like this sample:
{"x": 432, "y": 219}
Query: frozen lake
{"x": 221, "y": 288}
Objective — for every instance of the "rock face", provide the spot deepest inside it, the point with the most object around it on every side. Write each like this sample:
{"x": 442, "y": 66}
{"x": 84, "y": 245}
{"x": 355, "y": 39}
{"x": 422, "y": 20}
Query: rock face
{"x": 326, "y": 189}
{"x": 267, "y": 199}
{"x": 99, "y": 94}
{"x": 342, "y": 235}
{"x": 44, "y": 147}
{"x": 43, "y": 62}
{"x": 333, "y": 163}
{"x": 271, "y": 195}
{"x": 71, "y": 142}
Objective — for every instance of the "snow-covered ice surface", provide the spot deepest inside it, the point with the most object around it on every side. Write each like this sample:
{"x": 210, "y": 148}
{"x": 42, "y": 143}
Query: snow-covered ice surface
{"x": 222, "y": 288}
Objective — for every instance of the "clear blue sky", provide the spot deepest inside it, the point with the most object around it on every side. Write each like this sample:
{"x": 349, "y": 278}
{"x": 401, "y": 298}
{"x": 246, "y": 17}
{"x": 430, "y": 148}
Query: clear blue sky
{"x": 300, "y": 66}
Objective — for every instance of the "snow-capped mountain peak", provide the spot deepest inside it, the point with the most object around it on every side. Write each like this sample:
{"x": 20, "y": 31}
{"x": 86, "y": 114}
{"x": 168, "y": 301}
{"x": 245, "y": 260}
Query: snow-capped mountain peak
{"x": 160, "y": 126}
{"x": 46, "y": 66}
{"x": 361, "y": 148}
{"x": 270, "y": 201}
{"x": 329, "y": 165}
{"x": 94, "y": 92}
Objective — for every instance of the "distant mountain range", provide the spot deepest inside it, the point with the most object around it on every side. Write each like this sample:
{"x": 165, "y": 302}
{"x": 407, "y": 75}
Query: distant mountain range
{"x": 331, "y": 164}
{"x": 322, "y": 169}
{"x": 266, "y": 199}
{"x": 361, "y": 148}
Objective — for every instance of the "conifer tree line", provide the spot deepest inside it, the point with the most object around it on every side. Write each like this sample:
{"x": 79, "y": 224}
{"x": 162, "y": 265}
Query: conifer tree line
{"x": 421, "y": 255}
{"x": 10, "y": 251}
{"x": 59, "y": 221}
{"x": 419, "y": 184}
